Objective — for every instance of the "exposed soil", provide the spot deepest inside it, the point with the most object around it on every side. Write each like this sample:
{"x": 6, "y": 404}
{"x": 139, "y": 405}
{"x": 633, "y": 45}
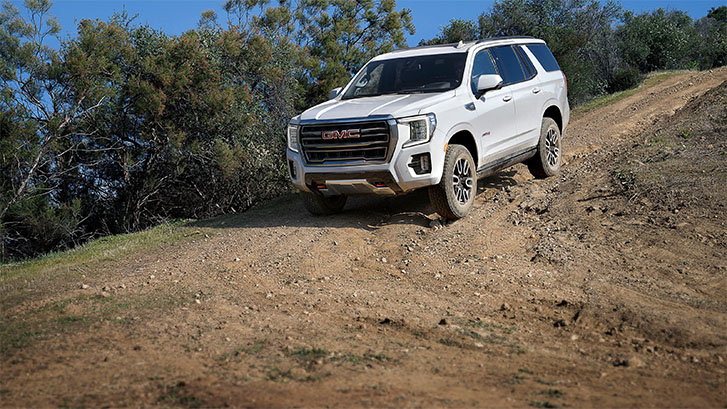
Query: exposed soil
{"x": 603, "y": 287}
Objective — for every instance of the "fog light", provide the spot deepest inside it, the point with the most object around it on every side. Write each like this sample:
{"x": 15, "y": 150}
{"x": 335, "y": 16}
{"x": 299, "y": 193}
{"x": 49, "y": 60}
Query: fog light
{"x": 421, "y": 163}
{"x": 425, "y": 163}
{"x": 291, "y": 167}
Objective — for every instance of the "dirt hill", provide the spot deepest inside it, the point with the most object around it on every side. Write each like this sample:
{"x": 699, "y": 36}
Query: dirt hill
{"x": 603, "y": 287}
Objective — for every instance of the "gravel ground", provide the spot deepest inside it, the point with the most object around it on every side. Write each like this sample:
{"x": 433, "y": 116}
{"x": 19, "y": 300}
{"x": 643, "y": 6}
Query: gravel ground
{"x": 603, "y": 287}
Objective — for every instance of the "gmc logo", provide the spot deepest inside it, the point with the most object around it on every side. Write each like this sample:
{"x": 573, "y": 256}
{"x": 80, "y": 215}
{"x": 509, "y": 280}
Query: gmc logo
{"x": 346, "y": 134}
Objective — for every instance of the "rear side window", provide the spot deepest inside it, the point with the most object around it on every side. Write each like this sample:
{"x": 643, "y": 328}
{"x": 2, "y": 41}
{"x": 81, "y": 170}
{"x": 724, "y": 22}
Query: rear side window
{"x": 508, "y": 64}
{"x": 544, "y": 56}
{"x": 530, "y": 70}
{"x": 482, "y": 65}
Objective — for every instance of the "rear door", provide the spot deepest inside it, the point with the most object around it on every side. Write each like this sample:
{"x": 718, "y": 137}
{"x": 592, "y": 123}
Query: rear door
{"x": 552, "y": 80}
{"x": 523, "y": 82}
{"x": 529, "y": 98}
{"x": 493, "y": 114}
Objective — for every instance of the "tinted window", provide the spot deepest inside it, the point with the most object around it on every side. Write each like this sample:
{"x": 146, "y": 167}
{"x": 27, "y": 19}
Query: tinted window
{"x": 527, "y": 64}
{"x": 426, "y": 73}
{"x": 544, "y": 56}
{"x": 482, "y": 65}
{"x": 508, "y": 64}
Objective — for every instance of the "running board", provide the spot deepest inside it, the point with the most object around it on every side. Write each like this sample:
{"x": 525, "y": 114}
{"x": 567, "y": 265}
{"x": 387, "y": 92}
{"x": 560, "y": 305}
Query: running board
{"x": 503, "y": 163}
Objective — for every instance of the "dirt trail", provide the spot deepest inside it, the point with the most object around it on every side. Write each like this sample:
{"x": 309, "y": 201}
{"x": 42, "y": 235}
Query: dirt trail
{"x": 628, "y": 117}
{"x": 573, "y": 291}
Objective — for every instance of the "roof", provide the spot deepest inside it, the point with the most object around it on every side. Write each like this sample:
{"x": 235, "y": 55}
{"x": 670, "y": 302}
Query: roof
{"x": 453, "y": 47}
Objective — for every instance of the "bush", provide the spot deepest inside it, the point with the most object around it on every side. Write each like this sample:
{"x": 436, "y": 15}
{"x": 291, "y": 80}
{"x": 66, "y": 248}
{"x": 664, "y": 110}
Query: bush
{"x": 125, "y": 127}
{"x": 657, "y": 40}
{"x": 712, "y": 29}
{"x": 625, "y": 78}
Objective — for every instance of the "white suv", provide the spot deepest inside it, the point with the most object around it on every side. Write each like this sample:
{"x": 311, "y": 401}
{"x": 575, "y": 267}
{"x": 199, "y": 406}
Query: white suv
{"x": 436, "y": 117}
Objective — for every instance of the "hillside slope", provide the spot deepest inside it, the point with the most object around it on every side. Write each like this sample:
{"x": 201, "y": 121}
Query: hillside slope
{"x": 605, "y": 286}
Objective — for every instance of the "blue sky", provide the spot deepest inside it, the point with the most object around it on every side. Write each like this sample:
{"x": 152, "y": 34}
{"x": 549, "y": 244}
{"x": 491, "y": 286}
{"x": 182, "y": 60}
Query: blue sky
{"x": 177, "y": 16}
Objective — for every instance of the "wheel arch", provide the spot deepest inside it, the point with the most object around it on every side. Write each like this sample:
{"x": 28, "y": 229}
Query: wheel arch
{"x": 465, "y": 138}
{"x": 554, "y": 113}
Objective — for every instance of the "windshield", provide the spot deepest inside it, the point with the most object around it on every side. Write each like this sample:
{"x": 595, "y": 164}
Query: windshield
{"x": 425, "y": 73}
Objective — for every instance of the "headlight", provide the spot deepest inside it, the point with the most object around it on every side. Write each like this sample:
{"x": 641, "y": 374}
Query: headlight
{"x": 293, "y": 138}
{"x": 421, "y": 128}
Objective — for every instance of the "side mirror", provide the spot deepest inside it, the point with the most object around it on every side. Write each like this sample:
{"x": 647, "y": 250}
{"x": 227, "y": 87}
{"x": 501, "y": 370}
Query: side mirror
{"x": 488, "y": 82}
{"x": 334, "y": 93}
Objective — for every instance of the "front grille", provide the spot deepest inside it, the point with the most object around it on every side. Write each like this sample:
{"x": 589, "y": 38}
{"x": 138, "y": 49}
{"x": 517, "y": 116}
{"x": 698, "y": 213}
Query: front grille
{"x": 372, "y": 145}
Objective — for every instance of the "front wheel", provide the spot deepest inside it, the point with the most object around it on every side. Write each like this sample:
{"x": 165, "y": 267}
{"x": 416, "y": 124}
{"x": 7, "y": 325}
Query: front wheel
{"x": 453, "y": 196}
{"x": 548, "y": 159}
{"x": 319, "y": 205}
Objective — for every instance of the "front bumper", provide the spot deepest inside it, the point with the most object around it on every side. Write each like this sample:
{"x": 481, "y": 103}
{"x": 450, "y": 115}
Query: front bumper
{"x": 396, "y": 176}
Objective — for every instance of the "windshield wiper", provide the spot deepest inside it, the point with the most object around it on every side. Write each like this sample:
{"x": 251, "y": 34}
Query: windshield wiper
{"x": 420, "y": 90}
{"x": 411, "y": 91}
{"x": 362, "y": 96}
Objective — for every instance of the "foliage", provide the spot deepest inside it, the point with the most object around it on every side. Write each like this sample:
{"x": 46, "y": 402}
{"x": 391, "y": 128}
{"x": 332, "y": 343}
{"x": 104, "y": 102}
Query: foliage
{"x": 125, "y": 127}
{"x": 624, "y": 78}
{"x": 577, "y": 32}
{"x": 657, "y": 40}
{"x": 457, "y": 30}
{"x": 41, "y": 142}
{"x": 599, "y": 47}
{"x": 712, "y": 29}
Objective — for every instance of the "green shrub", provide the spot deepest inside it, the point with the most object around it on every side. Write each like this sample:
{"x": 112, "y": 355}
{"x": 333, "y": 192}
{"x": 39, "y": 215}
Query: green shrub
{"x": 625, "y": 78}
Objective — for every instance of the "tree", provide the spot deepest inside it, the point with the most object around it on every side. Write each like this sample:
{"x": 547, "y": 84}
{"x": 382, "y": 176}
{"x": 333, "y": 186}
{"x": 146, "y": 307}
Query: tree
{"x": 657, "y": 40}
{"x": 712, "y": 30}
{"x": 719, "y": 14}
{"x": 40, "y": 112}
{"x": 579, "y": 33}
{"x": 183, "y": 116}
{"x": 124, "y": 126}
{"x": 336, "y": 37}
{"x": 455, "y": 31}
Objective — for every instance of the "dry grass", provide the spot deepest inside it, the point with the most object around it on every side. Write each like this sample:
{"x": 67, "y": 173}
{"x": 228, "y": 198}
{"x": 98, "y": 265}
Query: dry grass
{"x": 108, "y": 248}
{"x": 651, "y": 80}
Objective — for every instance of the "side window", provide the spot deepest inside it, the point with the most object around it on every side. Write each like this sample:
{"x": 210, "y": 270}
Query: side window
{"x": 544, "y": 56}
{"x": 483, "y": 65}
{"x": 508, "y": 64}
{"x": 530, "y": 70}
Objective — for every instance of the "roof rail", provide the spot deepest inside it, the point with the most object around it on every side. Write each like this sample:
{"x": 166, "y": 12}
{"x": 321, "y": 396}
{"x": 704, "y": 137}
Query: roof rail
{"x": 484, "y": 40}
{"x": 454, "y": 45}
{"x": 461, "y": 44}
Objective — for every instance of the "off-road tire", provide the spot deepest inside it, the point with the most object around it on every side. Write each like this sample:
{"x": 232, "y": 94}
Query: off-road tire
{"x": 443, "y": 196}
{"x": 319, "y": 205}
{"x": 549, "y": 157}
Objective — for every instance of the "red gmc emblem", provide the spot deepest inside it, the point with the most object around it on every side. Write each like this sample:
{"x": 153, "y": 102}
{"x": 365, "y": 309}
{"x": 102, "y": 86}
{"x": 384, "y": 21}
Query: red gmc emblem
{"x": 348, "y": 133}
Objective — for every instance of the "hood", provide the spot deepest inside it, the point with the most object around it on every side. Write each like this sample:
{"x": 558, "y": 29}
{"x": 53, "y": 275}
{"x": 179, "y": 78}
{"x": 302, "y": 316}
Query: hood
{"x": 396, "y": 105}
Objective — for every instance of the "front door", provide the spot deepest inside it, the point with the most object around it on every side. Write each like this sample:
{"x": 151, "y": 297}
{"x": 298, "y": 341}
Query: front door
{"x": 493, "y": 114}
{"x": 521, "y": 83}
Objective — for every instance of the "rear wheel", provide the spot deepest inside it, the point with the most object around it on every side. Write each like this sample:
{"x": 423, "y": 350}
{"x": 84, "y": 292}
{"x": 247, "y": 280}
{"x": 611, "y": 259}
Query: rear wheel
{"x": 548, "y": 159}
{"x": 452, "y": 198}
{"x": 320, "y": 205}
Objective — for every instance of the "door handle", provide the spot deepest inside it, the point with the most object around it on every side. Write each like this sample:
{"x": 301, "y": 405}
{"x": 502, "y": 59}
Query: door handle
{"x": 507, "y": 98}
{"x": 536, "y": 90}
